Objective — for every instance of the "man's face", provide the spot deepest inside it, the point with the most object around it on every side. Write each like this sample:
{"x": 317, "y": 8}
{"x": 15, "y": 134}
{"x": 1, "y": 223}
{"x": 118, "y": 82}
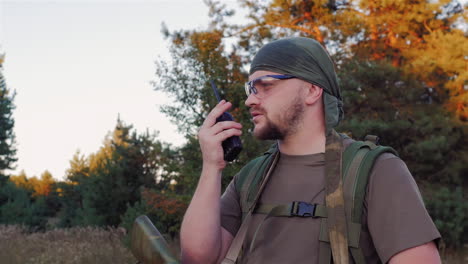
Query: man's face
{"x": 279, "y": 111}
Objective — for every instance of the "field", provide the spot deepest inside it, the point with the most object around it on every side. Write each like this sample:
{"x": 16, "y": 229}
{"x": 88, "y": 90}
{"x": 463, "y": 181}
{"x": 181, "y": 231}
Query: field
{"x": 65, "y": 246}
{"x": 88, "y": 245}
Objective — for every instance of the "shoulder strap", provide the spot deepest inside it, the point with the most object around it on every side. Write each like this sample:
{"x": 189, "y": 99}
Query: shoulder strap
{"x": 363, "y": 176}
{"x": 238, "y": 241}
{"x": 250, "y": 177}
{"x": 248, "y": 185}
{"x": 358, "y": 161}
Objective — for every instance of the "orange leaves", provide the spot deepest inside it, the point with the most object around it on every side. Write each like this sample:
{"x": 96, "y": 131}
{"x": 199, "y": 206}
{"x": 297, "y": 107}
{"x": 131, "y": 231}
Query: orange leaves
{"x": 207, "y": 44}
{"x": 441, "y": 62}
{"x": 38, "y": 187}
{"x": 168, "y": 205}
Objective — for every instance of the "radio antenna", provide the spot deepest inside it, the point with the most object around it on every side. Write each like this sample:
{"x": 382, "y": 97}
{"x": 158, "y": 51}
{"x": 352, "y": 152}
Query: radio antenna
{"x": 213, "y": 85}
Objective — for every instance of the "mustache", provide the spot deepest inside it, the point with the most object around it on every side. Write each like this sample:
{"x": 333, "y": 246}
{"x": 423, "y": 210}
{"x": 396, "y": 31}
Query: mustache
{"x": 260, "y": 110}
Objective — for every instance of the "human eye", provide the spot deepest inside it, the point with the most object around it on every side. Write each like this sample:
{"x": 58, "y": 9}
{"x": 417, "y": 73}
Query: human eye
{"x": 265, "y": 83}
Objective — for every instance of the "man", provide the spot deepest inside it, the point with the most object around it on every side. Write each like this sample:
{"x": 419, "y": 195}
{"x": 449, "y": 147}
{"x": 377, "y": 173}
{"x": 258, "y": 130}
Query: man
{"x": 294, "y": 98}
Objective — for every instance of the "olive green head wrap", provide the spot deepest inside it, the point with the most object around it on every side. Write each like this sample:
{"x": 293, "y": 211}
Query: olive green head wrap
{"x": 305, "y": 59}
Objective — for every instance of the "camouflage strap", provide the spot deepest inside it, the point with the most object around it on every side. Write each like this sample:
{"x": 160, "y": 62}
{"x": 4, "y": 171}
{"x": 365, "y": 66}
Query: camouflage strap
{"x": 236, "y": 245}
{"x": 334, "y": 200}
{"x": 353, "y": 242}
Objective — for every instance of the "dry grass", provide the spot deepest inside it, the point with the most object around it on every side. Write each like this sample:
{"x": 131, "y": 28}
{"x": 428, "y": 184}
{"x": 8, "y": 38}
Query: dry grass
{"x": 83, "y": 245}
{"x": 65, "y": 246}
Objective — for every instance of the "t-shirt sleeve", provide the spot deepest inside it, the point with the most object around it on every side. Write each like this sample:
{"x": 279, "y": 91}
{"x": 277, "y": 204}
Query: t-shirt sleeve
{"x": 231, "y": 214}
{"x": 397, "y": 218}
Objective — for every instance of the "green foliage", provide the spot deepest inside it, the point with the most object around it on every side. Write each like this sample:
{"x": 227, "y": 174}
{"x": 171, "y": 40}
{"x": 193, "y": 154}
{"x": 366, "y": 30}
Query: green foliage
{"x": 71, "y": 191}
{"x": 100, "y": 188}
{"x": 133, "y": 211}
{"x": 7, "y": 135}
{"x": 29, "y": 201}
{"x": 16, "y": 206}
{"x": 197, "y": 57}
{"x": 20, "y": 209}
{"x": 449, "y": 209}
{"x": 165, "y": 211}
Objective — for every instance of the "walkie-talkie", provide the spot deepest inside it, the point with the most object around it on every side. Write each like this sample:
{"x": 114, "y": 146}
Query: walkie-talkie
{"x": 231, "y": 146}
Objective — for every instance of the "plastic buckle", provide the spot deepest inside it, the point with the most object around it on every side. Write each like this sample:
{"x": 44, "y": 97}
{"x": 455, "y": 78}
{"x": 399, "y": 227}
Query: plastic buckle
{"x": 372, "y": 138}
{"x": 303, "y": 209}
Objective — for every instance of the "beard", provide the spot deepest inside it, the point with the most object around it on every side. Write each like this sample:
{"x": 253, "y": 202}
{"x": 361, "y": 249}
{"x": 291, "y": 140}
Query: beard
{"x": 287, "y": 124}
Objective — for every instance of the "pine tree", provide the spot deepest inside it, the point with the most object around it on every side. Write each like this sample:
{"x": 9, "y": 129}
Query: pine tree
{"x": 7, "y": 135}
{"x": 99, "y": 188}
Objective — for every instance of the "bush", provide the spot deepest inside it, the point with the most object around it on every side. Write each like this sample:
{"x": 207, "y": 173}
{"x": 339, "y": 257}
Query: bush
{"x": 449, "y": 210}
{"x": 164, "y": 210}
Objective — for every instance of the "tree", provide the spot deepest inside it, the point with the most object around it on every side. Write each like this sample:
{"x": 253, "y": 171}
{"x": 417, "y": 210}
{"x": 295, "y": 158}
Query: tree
{"x": 44, "y": 186}
{"x": 37, "y": 187}
{"x": 99, "y": 188}
{"x": 17, "y": 207}
{"x": 7, "y": 135}
{"x": 21, "y": 181}
{"x": 21, "y": 207}
{"x": 422, "y": 38}
{"x": 70, "y": 190}
{"x": 166, "y": 211}
{"x": 197, "y": 58}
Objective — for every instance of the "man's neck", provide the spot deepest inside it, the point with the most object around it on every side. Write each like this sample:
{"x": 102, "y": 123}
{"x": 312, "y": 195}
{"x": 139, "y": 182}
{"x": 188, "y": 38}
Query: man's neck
{"x": 304, "y": 142}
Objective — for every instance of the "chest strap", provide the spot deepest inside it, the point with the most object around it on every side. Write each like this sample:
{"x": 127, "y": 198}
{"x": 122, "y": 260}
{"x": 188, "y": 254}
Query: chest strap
{"x": 293, "y": 209}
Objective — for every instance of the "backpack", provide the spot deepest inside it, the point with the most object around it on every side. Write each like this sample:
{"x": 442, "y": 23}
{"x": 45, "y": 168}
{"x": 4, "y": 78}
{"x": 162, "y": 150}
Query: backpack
{"x": 357, "y": 162}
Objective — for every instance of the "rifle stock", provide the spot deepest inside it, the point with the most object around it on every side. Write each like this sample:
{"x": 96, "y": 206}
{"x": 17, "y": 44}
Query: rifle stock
{"x": 148, "y": 245}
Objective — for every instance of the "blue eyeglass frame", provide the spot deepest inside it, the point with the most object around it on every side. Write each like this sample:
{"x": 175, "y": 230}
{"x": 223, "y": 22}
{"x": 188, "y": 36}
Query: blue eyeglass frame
{"x": 250, "y": 88}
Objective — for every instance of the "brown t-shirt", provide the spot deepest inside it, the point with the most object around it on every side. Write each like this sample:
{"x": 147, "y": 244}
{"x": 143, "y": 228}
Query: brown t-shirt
{"x": 394, "y": 214}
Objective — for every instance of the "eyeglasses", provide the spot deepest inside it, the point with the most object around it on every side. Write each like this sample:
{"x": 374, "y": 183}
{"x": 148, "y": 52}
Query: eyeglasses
{"x": 261, "y": 86}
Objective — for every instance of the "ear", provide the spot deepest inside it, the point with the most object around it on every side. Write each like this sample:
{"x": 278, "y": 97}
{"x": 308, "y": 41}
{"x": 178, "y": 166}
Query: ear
{"x": 313, "y": 93}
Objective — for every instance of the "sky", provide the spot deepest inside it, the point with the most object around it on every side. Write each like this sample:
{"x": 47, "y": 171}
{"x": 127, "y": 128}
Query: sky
{"x": 78, "y": 65}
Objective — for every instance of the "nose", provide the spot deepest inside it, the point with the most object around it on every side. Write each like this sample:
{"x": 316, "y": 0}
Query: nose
{"x": 251, "y": 100}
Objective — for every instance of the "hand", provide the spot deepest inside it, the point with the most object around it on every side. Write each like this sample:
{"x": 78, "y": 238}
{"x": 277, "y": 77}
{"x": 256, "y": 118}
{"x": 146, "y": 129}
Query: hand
{"x": 212, "y": 134}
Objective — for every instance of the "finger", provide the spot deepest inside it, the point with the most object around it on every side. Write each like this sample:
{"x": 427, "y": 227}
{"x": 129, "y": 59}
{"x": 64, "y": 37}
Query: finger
{"x": 207, "y": 132}
{"x": 219, "y": 109}
{"x": 220, "y": 126}
{"x": 223, "y": 135}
